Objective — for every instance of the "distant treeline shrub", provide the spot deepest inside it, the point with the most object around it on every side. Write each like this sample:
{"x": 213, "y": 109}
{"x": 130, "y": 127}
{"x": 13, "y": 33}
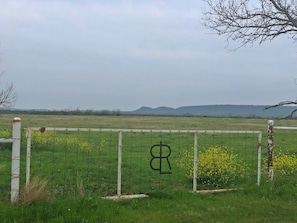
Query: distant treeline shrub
{"x": 5, "y": 134}
{"x": 52, "y": 139}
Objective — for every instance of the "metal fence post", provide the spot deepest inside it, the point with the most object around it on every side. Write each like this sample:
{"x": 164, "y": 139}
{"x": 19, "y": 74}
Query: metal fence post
{"x": 15, "y": 162}
{"x": 28, "y": 157}
{"x": 119, "y": 181}
{"x": 270, "y": 148}
{"x": 195, "y": 162}
{"x": 259, "y": 158}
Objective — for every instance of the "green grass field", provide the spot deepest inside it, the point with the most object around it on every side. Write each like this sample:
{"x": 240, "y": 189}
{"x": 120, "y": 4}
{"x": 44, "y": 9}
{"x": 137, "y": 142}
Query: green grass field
{"x": 81, "y": 172}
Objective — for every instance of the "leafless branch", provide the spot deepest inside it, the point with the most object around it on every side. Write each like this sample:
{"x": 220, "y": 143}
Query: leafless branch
{"x": 282, "y": 104}
{"x": 8, "y": 96}
{"x": 247, "y": 21}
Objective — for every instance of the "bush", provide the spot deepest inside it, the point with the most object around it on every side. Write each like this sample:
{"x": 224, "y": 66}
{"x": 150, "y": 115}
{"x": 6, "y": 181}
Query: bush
{"x": 215, "y": 167}
{"x": 285, "y": 164}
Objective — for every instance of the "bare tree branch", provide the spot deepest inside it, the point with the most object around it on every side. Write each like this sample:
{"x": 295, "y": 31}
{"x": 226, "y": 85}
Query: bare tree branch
{"x": 282, "y": 103}
{"x": 247, "y": 22}
{"x": 8, "y": 96}
{"x": 285, "y": 103}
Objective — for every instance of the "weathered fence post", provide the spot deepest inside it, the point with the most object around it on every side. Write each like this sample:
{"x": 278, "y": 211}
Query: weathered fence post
{"x": 15, "y": 162}
{"x": 259, "y": 158}
{"x": 270, "y": 148}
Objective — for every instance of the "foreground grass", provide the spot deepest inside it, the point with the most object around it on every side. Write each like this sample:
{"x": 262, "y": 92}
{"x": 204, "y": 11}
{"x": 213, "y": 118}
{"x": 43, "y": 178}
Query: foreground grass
{"x": 256, "y": 204}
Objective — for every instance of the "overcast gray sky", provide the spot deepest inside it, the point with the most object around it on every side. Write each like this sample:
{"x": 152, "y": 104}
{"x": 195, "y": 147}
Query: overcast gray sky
{"x": 124, "y": 54}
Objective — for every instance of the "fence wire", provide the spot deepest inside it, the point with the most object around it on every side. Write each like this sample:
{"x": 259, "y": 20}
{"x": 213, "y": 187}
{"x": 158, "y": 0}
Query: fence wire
{"x": 79, "y": 161}
{"x": 285, "y": 154}
{"x": 5, "y": 169}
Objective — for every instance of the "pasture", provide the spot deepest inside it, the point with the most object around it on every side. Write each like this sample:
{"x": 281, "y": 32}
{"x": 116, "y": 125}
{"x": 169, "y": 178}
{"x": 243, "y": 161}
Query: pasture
{"x": 74, "y": 197}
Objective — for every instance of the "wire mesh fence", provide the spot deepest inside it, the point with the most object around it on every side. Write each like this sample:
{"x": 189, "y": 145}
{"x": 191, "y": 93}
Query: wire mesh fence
{"x": 140, "y": 161}
{"x": 285, "y": 154}
{"x": 133, "y": 161}
{"x": 5, "y": 168}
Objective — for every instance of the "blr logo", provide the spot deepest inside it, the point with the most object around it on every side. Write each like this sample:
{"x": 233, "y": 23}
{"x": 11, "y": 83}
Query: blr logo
{"x": 162, "y": 168}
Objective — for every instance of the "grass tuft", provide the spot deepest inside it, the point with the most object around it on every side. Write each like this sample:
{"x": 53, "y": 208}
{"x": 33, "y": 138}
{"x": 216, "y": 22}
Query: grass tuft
{"x": 36, "y": 190}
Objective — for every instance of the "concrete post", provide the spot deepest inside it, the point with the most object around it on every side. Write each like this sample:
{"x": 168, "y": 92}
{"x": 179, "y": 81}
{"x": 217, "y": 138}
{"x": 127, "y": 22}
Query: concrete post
{"x": 15, "y": 162}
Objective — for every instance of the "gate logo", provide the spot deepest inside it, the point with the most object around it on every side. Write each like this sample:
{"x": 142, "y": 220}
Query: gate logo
{"x": 159, "y": 156}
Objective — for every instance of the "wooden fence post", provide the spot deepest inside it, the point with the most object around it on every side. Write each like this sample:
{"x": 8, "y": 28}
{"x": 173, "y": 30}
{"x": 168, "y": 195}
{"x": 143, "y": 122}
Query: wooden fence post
{"x": 270, "y": 149}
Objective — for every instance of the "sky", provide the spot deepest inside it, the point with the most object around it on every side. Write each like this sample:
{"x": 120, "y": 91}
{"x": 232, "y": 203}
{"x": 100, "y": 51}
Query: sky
{"x": 124, "y": 54}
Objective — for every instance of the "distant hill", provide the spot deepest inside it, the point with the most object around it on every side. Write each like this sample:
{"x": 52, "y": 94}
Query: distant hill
{"x": 245, "y": 111}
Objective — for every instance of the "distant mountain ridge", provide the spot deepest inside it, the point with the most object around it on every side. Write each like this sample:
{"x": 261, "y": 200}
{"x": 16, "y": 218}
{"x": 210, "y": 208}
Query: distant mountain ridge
{"x": 245, "y": 111}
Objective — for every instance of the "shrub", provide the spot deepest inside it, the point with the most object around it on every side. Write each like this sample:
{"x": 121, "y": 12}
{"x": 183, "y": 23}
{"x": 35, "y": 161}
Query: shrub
{"x": 285, "y": 164}
{"x": 215, "y": 167}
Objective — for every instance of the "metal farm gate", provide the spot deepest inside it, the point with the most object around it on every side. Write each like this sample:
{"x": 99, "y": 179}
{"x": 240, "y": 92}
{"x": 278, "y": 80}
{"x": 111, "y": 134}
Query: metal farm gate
{"x": 131, "y": 162}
